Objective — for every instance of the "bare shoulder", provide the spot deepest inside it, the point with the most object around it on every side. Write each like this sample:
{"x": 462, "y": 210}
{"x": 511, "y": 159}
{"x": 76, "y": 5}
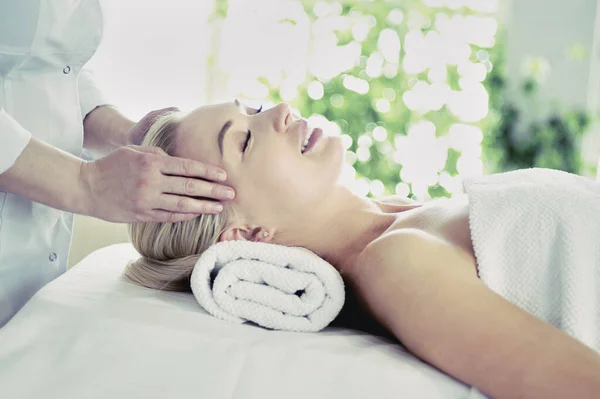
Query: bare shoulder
{"x": 407, "y": 237}
{"x": 409, "y": 247}
{"x": 392, "y": 249}
{"x": 397, "y": 200}
{"x": 394, "y": 275}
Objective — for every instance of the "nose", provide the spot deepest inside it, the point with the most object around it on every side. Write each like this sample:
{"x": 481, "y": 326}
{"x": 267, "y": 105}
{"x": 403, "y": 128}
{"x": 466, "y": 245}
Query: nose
{"x": 283, "y": 117}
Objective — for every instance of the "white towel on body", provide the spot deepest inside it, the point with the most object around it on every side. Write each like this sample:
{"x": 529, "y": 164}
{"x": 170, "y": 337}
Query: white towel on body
{"x": 536, "y": 235}
{"x": 274, "y": 286}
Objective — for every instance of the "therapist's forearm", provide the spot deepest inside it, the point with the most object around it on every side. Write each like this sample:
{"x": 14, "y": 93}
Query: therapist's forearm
{"x": 47, "y": 175}
{"x": 105, "y": 129}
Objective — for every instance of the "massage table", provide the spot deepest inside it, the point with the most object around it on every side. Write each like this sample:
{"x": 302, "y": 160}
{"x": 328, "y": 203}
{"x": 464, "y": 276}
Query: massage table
{"x": 91, "y": 334}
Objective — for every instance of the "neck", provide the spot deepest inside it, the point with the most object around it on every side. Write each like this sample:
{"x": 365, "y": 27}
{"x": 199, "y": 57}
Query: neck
{"x": 342, "y": 227}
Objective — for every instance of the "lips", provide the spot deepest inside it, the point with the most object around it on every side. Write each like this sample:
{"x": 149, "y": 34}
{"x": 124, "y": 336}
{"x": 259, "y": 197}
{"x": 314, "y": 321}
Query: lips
{"x": 317, "y": 133}
{"x": 304, "y": 132}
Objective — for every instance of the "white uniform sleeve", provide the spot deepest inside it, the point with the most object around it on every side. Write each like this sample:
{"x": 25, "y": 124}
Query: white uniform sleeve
{"x": 90, "y": 96}
{"x": 13, "y": 140}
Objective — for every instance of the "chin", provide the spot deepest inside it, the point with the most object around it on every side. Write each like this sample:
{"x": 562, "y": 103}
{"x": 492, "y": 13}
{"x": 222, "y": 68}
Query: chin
{"x": 339, "y": 151}
{"x": 335, "y": 155}
{"x": 327, "y": 161}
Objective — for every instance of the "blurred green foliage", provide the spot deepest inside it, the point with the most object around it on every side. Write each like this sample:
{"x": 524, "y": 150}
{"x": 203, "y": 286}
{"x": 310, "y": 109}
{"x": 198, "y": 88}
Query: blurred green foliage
{"x": 553, "y": 141}
{"x": 357, "y": 114}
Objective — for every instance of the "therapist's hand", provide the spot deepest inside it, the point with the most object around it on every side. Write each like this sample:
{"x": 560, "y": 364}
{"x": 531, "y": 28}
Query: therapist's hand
{"x": 141, "y": 184}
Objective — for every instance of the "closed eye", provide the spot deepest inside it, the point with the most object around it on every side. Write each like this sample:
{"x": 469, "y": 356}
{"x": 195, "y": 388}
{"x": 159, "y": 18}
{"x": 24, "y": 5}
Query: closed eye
{"x": 249, "y": 133}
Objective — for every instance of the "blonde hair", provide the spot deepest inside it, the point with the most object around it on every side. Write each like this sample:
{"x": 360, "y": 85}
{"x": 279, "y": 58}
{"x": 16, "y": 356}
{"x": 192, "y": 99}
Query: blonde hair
{"x": 169, "y": 251}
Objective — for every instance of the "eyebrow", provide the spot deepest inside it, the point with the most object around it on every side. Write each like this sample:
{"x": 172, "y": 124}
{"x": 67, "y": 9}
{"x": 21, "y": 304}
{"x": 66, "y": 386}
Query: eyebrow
{"x": 226, "y": 127}
{"x": 221, "y": 136}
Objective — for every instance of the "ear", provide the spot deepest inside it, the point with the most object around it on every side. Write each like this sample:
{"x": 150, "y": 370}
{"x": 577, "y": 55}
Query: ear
{"x": 246, "y": 233}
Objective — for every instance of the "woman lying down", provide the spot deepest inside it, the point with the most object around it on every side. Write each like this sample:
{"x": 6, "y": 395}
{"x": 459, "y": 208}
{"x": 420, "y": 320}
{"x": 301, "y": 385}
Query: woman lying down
{"x": 499, "y": 288}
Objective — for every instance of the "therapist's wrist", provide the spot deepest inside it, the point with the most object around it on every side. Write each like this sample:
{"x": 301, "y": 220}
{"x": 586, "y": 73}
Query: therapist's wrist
{"x": 121, "y": 127}
{"x": 47, "y": 175}
{"x": 81, "y": 200}
{"x": 106, "y": 129}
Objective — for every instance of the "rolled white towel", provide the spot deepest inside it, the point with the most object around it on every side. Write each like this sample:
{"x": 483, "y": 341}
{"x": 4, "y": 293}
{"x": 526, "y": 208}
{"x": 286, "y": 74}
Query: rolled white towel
{"x": 277, "y": 287}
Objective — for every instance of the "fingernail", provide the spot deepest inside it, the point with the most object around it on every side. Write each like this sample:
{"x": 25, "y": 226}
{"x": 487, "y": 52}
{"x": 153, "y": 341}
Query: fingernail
{"x": 221, "y": 176}
{"x": 217, "y": 208}
{"x": 228, "y": 193}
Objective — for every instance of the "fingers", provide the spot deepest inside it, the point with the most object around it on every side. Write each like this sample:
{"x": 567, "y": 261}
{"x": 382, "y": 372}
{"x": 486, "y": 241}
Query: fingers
{"x": 197, "y": 188}
{"x": 190, "y": 168}
{"x": 159, "y": 190}
{"x": 176, "y": 166}
{"x": 182, "y": 204}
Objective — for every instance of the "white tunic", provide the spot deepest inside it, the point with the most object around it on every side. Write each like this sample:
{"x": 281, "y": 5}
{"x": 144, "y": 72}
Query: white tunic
{"x": 45, "y": 94}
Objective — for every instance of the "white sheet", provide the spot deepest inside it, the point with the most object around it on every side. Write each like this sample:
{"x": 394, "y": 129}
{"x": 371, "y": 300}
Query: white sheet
{"x": 90, "y": 334}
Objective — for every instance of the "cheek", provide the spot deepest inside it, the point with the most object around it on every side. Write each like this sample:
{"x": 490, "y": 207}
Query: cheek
{"x": 279, "y": 185}
{"x": 282, "y": 180}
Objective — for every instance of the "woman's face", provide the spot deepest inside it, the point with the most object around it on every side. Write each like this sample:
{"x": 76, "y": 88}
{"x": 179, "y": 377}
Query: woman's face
{"x": 262, "y": 153}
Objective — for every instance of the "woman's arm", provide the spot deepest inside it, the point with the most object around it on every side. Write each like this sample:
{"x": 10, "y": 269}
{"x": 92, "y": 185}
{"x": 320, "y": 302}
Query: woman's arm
{"x": 425, "y": 292}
